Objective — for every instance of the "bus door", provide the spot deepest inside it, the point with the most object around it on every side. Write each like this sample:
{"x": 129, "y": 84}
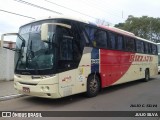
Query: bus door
{"x": 70, "y": 50}
{"x": 66, "y": 65}
{"x": 67, "y": 83}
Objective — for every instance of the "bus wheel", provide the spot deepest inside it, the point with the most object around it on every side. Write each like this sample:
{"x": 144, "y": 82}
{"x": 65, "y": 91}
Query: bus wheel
{"x": 93, "y": 86}
{"x": 147, "y": 75}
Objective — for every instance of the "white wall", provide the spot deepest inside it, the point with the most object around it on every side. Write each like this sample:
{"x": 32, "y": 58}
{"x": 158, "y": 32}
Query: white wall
{"x": 6, "y": 64}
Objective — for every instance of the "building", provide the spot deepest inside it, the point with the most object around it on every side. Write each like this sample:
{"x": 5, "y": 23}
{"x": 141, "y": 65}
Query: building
{"x": 9, "y": 44}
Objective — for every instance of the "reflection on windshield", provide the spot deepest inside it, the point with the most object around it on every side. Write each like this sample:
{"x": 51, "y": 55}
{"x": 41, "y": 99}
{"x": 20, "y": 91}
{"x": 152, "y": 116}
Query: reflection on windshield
{"x": 42, "y": 60}
{"x": 36, "y": 54}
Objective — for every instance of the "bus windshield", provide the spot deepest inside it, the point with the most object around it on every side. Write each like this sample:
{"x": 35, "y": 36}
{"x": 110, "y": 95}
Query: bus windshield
{"x": 36, "y": 56}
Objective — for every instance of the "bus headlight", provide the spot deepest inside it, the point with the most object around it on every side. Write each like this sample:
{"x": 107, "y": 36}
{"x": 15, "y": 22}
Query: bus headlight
{"x": 45, "y": 88}
{"x": 47, "y": 76}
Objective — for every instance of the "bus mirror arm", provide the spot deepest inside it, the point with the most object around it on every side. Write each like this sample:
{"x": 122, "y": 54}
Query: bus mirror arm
{"x": 9, "y": 34}
{"x": 13, "y": 49}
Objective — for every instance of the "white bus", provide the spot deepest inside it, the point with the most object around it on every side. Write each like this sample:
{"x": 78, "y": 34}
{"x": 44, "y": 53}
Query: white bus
{"x": 62, "y": 56}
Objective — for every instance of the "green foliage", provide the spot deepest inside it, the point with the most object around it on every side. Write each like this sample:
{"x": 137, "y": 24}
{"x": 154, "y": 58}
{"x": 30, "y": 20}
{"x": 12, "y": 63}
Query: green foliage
{"x": 145, "y": 27}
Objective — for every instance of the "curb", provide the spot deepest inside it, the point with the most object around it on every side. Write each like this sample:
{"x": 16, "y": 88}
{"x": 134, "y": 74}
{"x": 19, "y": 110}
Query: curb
{"x": 10, "y": 97}
{"x": 1, "y": 81}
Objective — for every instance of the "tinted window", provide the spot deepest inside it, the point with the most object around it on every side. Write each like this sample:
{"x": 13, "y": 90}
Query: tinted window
{"x": 101, "y": 39}
{"x": 139, "y": 46}
{"x": 97, "y": 37}
{"x": 90, "y": 32}
{"x": 119, "y": 42}
{"x": 146, "y": 47}
{"x": 66, "y": 48}
{"x": 149, "y": 48}
{"x": 112, "y": 42}
{"x": 130, "y": 46}
{"x": 154, "y": 49}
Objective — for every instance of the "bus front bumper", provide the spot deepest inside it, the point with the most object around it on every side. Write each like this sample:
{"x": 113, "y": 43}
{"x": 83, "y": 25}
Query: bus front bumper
{"x": 46, "y": 88}
{"x": 45, "y": 91}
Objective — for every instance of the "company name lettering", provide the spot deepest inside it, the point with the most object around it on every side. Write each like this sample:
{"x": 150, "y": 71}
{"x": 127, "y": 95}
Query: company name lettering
{"x": 140, "y": 58}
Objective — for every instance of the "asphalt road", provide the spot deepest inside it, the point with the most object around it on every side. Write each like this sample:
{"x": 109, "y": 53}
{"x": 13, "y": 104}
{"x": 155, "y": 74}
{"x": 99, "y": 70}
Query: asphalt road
{"x": 133, "y": 96}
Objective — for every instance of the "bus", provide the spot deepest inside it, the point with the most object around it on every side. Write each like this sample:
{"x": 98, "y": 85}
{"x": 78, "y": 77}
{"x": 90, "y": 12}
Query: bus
{"x": 62, "y": 56}
{"x": 158, "y": 44}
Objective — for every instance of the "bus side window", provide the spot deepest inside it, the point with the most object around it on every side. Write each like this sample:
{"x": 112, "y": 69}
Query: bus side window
{"x": 139, "y": 46}
{"x": 149, "y": 48}
{"x": 112, "y": 40}
{"x": 146, "y": 48}
{"x": 100, "y": 39}
{"x": 120, "y": 42}
{"x": 90, "y": 32}
{"x": 154, "y": 49}
{"x": 129, "y": 44}
{"x": 97, "y": 37}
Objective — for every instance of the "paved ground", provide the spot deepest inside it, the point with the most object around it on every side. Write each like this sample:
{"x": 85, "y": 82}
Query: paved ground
{"x": 6, "y": 88}
{"x": 116, "y": 98}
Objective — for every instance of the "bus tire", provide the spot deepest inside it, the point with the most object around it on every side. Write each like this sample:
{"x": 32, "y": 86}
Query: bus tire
{"x": 147, "y": 75}
{"x": 93, "y": 86}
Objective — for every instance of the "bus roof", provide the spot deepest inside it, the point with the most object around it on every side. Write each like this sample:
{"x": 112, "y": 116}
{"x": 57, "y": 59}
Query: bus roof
{"x": 80, "y": 19}
{"x": 139, "y": 38}
{"x": 120, "y": 31}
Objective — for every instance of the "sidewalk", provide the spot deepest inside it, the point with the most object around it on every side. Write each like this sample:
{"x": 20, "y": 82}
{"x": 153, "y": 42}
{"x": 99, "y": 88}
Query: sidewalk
{"x": 7, "y": 88}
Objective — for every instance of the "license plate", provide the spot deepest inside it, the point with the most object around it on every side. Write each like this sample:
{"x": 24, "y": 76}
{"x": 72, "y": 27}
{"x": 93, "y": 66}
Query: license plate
{"x": 26, "y": 90}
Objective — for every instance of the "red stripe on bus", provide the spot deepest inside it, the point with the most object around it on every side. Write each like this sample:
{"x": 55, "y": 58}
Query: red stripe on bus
{"x": 113, "y": 65}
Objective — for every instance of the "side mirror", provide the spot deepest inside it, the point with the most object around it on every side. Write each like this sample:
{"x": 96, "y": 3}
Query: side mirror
{"x": 48, "y": 28}
{"x": 44, "y": 32}
{"x": 2, "y": 39}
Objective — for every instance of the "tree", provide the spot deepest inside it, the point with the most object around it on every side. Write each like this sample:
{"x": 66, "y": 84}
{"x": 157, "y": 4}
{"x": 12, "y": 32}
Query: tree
{"x": 145, "y": 27}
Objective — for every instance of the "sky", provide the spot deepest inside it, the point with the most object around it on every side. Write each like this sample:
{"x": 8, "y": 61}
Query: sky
{"x": 112, "y": 11}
